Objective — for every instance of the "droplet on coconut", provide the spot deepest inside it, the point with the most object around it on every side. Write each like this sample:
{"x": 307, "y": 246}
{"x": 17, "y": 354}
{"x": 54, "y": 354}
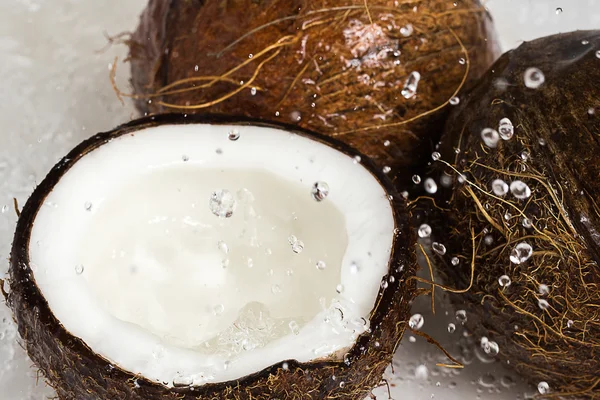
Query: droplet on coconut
{"x": 521, "y": 253}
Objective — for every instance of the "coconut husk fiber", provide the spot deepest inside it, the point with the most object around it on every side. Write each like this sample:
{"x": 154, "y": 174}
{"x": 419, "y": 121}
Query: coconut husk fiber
{"x": 333, "y": 66}
{"x": 547, "y": 321}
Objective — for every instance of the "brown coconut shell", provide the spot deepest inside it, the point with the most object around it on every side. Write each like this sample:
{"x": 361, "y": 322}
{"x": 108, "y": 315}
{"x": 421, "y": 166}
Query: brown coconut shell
{"x": 78, "y": 373}
{"x": 333, "y": 66}
{"x": 551, "y": 337}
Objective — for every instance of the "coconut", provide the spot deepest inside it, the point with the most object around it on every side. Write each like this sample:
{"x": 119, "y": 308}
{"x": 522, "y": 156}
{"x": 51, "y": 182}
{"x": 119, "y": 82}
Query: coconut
{"x": 521, "y": 223}
{"x": 208, "y": 257}
{"x": 376, "y": 74}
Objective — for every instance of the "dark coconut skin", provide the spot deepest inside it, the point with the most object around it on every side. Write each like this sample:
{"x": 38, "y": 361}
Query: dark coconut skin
{"x": 556, "y": 152}
{"x": 77, "y": 373}
{"x": 336, "y": 84}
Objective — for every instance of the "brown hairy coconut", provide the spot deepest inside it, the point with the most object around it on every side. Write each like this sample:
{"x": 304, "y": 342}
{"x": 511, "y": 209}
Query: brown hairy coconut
{"x": 114, "y": 289}
{"x": 525, "y": 214}
{"x": 377, "y": 74}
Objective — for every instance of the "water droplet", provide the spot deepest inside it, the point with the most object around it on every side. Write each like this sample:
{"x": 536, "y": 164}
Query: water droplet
{"x": 454, "y": 101}
{"x": 225, "y": 262}
{"x": 411, "y": 85}
{"x": 253, "y": 91}
{"x": 387, "y": 143}
{"x": 339, "y": 288}
{"x": 435, "y": 156}
{"x": 354, "y": 268}
{"x": 461, "y": 316}
{"x": 543, "y": 304}
{"x": 543, "y": 387}
{"x": 504, "y": 281}
{"x": 462, "y": 61}
{"x": 294, "y": 327}
{"x": 416, "y": 179}
{"x": 342, "y": 384}
{"x": 185, "y": 158}
{"x": 499, "y": 187}
{"x": 319, "y": 191}
{"x": 542, "y": 141}
{"x": 455, "y": 261}
{"x": 357, "y": 159}
{"x": 233, "y": 135}
{"x": 275, "y": 289}
{"x": 490, "y": 137}
{"x": 321, "y": 265}
{"x": 424, "y": 231}
{"x": 439, "y": 248}
{"x": 506, "y": 129}
{"x": 285, "y": 366}
{"x": 250, "y": 262}
{"x": 488, "y": 240}
{"x": 79, "y": 269}
{"x": 416, "y": 321}
{"x": 87, "y": 206}
{"x": 222, "y": 203}
{"x": 520, "y": 190}
{"x": 218, "y": 309}
{"x": 570, "y": 323}
{"x": 598, "y": 54}
{"x": 430, "y": 186}
{"x": 543, "y": 289}
{"x": 223, "y": 247}
{"x": 386, "y": 169}
{"x": 407, "y": 30}
{"x": 4, "y": 209}
{"x": 559, "y": 10}
{"x": 297, "y": 245}
{"x": 526, "y": 222}
{"x": 422, "y": 372}
{"x": 521, "y": 253}
{"x": 451, "y": 328}
{"x": 534, "y": 78}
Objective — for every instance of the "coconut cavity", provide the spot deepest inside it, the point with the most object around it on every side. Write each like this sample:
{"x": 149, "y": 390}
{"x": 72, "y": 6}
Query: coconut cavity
{"x": 193, "y": 254}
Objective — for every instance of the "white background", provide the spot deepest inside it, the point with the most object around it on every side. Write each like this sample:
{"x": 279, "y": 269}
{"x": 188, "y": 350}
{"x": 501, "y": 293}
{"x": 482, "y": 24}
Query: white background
{"x": 55, "y": 92}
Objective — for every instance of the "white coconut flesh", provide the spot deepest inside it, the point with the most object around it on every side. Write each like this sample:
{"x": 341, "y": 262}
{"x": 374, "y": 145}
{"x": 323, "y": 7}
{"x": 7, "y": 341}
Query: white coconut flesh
{"x": 186, "y": 257}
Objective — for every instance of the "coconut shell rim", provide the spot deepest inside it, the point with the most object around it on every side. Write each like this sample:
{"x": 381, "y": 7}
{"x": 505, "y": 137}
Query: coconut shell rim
{"x": 22, "y": 277}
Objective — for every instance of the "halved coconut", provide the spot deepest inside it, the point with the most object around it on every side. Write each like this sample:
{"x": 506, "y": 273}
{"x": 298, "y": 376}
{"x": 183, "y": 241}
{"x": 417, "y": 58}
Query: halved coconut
{"x": 202, "y": 257}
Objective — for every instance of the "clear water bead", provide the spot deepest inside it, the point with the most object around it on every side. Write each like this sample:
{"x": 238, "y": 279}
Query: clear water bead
{"x": 520, "y": 190}
{"x": 87, "y": 206}
{"x": 435, "y": 156}
{"x": 356, "y": 159}
{"x": 407, "y": 30}
{"x": 521, "y": 253}
{"x": 490, "y": 137}
{"x": 79, "y": 269}
{"x": 533, "y": 78}
{"x": 451, "y": 328}
{"x": 319, "y": 191}
{"x": 490, "y": 348}
{"x": 222, "y": 203}
{"x": 598, "y": 54}
{"x": 430, "y": 186}
{"x": 570, "y": 323}
{"x": 233, "y": 135}
{"x": 321, "y": 265}
{"x": 455, "y": 261}
{"x": 424, "y": 231}
{"x": 218, "y": 309}
{"x": 339, "y": 288}
{"x": 504, "y": 281}
{"x": 223, "y": 246}
{"x": 543, "y": 387}
{"x": 506, "y": 129}
{"x": 499, "y": 187}
{"x": 416, "y": 321}
{"x": 454, "y": 101}
{"x": 354, "y": 268}
{"x": 387, "y": 143}
{"x": 543, "y": 304}
{"x": 416, "y": 179}
{"x": 543, "y": 289}
{"x": 386, "y": 169}
{"x": 411, "y": 85}
{"x": 297, "y": 245}
{"x": 4, "y": 209}
{"x": 439, "y": 248}
{"x": 461, "y": 316}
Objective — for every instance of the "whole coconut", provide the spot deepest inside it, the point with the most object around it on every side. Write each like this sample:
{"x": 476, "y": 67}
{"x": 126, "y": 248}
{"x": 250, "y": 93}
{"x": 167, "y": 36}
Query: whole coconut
{"x": 377, "y": 74}
{"x": 524, "y": 211}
